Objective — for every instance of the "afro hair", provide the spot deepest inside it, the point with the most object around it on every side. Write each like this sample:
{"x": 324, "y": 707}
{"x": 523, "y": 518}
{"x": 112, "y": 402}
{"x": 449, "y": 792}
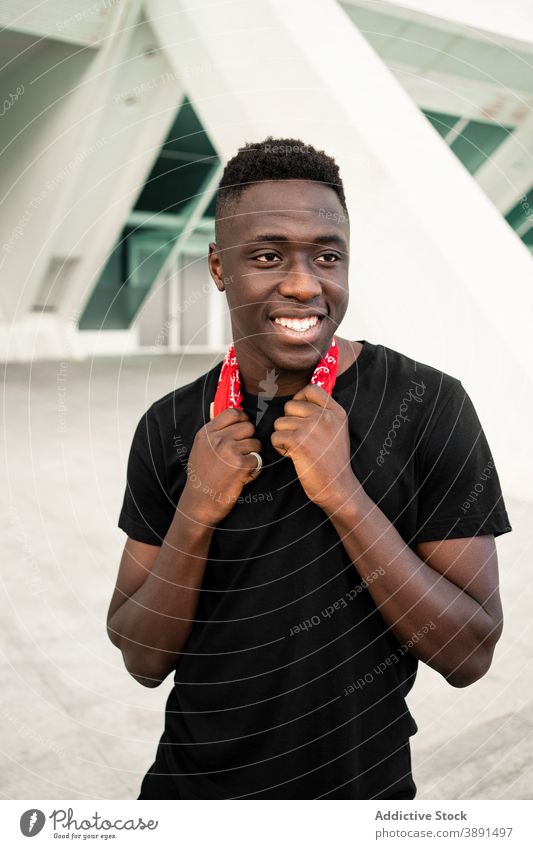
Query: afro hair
{"x": 275, "y": 159}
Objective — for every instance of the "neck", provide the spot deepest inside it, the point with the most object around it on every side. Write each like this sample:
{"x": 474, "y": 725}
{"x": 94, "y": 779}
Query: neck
{"x": 280, "y": 383}
{"x": 259, "y": 377}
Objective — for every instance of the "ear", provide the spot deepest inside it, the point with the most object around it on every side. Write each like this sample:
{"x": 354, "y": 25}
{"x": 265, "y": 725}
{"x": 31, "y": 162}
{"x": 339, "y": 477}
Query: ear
{"x": 215, "y": 266}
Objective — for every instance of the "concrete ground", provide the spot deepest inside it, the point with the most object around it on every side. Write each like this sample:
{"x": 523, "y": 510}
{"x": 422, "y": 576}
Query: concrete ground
{"x": 73, "y": 724}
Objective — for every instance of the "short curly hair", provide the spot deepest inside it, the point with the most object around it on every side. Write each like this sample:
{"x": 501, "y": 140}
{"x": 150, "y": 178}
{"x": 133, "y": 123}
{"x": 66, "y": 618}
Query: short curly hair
{"x": 274, "y": 159}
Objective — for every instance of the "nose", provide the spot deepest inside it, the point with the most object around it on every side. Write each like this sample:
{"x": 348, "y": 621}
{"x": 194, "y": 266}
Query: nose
{"x": 301, "y": 282}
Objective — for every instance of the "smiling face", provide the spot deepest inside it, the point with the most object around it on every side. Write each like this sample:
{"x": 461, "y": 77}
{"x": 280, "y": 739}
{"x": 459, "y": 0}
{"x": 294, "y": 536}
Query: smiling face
{"x": 282, "y": 259}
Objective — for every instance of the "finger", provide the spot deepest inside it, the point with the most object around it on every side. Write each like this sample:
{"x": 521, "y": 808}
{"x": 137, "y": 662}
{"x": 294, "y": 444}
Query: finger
{"x": 315, "y": 394}
{"x": 239, "y": 430}
{"x": 239, "y": 458}
{"x": 251, "y": 466}
{"x": 299, "y": 408}
{"x": 281, "y": 443}
{"x": 287, "y": 423}
{"x": 244, "y": 446}
{"x": 254, "y": 471}
{"x": 228, "y": 417}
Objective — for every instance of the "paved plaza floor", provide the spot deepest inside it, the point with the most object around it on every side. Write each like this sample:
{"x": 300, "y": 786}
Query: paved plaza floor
{"x": 73, "y": 723}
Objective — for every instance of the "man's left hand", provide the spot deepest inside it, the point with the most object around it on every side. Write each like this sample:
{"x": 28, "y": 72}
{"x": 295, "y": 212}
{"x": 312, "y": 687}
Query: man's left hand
{"x": 314, "y": 434}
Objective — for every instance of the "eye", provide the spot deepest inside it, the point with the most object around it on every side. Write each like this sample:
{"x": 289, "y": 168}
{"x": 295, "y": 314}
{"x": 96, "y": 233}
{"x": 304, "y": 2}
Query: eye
{"x": 267, "y": 256}
{"x": 331, "y": 258}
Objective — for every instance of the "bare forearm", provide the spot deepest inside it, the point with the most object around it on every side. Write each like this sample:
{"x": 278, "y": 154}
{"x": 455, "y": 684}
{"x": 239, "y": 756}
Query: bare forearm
{"x": 409, "y": 594}
{"x": 152, "y": 626}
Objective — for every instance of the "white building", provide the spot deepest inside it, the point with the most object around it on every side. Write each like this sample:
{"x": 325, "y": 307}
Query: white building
{"x": 117, "y": 119}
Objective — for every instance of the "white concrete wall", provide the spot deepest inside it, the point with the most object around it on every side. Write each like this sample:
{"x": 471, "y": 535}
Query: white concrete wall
{"x": 509, "y": 23}
{"x": 80, "y": 143}
{"x": 509, "y": 171}
{"x": 77, "y": 21}
{"x": 40, "y": 138}
{"x": 436, "y": 272}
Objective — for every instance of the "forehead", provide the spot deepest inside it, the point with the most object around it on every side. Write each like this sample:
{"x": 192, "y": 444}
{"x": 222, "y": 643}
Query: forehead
{"x": 291, "y": 207}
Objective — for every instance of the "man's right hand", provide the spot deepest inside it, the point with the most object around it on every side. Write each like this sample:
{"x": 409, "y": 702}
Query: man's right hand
{"x": 219, "y": 466}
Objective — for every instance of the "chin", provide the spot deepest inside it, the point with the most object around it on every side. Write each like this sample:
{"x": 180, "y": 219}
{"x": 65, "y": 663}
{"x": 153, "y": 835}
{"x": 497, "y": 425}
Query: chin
{"x": 301, "y": 359}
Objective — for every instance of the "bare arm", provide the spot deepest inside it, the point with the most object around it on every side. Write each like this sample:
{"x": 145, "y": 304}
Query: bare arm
{"x": 155, "y": 599}
{"x": 156, "y": 595}
{"x": 449, "y": 587}
{"x": 450, "y": 583}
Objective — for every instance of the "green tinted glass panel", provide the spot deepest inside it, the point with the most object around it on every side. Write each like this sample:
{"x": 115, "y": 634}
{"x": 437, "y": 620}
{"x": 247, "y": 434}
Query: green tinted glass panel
{"x": 477, "y": 142}
{"x": 187, "y": 156}
{"x": 521, "y": 211}
{"x": 187, "y": 134}
{"x": 178, "y": 176}
{"x": 528, "y": 238}
{"x": 125, "y": 282}
{"x": 173, "y": 185}
{"x": 443, "y": 123}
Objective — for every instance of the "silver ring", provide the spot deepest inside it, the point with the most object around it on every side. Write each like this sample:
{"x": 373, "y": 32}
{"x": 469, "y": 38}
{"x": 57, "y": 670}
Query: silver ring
{"x": 259, "y": 461}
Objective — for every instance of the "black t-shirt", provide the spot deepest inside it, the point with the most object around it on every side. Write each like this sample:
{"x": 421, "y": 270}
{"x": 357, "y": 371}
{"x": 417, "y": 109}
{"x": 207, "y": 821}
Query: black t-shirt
{"x": 291, "y": 684}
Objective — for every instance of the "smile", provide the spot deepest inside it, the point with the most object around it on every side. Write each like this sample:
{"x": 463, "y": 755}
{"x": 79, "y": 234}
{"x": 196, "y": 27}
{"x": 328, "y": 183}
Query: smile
{"x": 305, "y": 328}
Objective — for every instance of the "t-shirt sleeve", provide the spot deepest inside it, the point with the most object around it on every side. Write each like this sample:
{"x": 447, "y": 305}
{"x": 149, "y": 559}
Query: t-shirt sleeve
{"x": 147, "y": 510}
{"x": 459, "y": 492}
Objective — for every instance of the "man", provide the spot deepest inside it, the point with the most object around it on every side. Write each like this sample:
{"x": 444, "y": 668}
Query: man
{"x": 294, "y": 600}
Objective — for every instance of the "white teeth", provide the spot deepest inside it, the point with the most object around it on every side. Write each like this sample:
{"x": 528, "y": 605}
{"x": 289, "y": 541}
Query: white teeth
{"x": 300, "y": 324}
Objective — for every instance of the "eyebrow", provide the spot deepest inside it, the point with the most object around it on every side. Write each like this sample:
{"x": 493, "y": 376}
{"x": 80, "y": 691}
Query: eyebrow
{"x": 327, "y": 238}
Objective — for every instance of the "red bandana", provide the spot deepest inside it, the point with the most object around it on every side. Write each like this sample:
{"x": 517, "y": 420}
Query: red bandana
{"x": 229, "y": 393}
